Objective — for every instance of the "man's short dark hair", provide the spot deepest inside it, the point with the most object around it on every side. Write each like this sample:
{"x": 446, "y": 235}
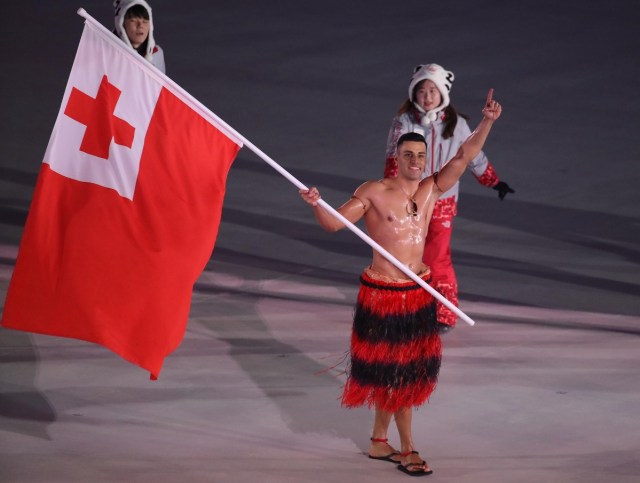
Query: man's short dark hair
{"x": 411, "y": 136}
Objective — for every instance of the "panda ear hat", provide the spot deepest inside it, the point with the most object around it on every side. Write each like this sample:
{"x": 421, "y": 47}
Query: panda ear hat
{"x": 443, "y": 79}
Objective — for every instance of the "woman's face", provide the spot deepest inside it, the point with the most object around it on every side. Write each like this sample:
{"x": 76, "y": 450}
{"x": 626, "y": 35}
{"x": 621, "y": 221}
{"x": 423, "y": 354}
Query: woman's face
{"x": 137, "y": 29}
{"x": 428, "y": 96}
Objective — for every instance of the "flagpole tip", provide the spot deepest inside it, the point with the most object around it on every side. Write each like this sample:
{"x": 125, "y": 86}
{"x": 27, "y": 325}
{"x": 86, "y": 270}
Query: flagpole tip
{"x": 82, "y": 12}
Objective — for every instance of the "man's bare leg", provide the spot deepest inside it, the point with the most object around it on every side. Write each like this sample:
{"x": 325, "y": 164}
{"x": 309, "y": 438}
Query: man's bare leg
{"x": 403, "y": 419}
{"x": 379, "y": 447}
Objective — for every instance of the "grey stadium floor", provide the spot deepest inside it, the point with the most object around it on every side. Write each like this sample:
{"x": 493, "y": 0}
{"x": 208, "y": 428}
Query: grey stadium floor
{"x": 543, "y": 388}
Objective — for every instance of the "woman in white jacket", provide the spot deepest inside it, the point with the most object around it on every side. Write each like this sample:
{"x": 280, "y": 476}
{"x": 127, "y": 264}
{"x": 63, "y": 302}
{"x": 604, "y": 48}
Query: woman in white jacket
{"x": 134, "y": 26}
{"x": 428, "y": 111}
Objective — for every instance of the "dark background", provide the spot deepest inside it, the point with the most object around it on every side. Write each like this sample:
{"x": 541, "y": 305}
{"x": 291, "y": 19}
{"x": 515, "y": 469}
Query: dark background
{"x": 315, "y": 85}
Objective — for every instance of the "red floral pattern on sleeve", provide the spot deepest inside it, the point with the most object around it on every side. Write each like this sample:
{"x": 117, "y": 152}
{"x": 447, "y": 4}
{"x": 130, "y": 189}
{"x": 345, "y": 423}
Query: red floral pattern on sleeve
{"x": 489, "y": 177}
{"x": 391, "y": 168}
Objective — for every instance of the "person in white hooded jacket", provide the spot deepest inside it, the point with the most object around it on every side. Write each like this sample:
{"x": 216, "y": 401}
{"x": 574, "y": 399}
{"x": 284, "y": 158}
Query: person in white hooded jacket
{"x": 134, "y": 26}
{"x": 428, "y": 111}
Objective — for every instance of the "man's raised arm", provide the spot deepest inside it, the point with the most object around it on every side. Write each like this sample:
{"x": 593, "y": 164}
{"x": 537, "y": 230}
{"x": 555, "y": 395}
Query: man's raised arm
{"x": 456, "y": 166}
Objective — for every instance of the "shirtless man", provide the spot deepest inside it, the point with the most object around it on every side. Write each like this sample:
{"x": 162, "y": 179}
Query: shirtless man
{"x": 395, "y": 343}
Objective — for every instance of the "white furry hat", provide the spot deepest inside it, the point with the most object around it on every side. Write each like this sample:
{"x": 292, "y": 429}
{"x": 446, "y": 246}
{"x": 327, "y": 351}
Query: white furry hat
{"x": 121, "y": 7}
{"x": 441, "y": 78}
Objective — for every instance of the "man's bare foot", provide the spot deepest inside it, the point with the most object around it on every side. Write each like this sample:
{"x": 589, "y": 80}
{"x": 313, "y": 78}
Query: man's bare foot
{"x": 380, "y": 449}
{"x": 413, "y": 465}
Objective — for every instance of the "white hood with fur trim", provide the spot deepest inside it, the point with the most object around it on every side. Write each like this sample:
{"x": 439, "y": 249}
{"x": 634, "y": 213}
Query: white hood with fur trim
{"x": 154, "y": 53}
{"x": 443, "y": 79}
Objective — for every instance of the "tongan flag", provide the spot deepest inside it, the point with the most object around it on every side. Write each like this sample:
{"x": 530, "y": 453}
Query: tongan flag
{"x": 126, "y": 208}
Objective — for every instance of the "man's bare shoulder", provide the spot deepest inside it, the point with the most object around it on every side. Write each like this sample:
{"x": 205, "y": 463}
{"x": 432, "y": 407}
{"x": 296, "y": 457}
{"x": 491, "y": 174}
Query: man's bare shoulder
{"x": 428, "y": 181}
{"x": 372, "y": 187}
{"x": 428, "y": 187}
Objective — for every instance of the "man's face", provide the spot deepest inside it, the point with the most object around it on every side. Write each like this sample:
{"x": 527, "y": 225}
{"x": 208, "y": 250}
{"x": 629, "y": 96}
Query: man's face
{"x": 137, "y": 29}
{"x": 412, "y": 158}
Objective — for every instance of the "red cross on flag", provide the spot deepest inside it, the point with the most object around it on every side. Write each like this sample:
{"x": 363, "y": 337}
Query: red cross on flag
{"x": 125, "y": 211}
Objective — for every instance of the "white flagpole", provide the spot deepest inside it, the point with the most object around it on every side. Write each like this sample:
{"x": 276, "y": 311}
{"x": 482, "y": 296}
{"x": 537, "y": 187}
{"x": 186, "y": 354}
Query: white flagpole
{"x": 232, "y": 133}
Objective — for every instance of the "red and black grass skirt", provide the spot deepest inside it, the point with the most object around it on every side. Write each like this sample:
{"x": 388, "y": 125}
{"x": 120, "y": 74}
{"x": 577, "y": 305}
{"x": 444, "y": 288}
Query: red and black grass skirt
{"x": 395, "y": 344}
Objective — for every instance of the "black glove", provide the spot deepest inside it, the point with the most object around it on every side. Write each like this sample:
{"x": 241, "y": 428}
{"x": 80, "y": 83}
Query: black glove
{"x": 503, "y": 188}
